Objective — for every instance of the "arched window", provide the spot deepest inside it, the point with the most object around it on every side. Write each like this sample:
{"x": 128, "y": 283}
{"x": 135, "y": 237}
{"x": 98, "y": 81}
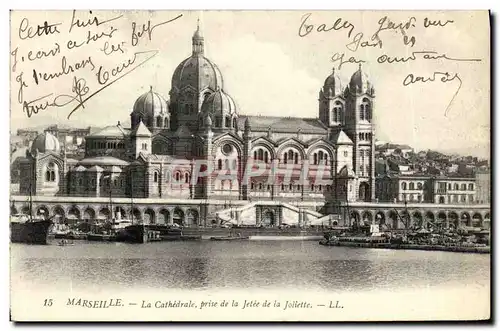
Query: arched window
{"x": 463, "y": 187}
{"x": 312, "y": 187}
{"x": 419, "y": 186}
{"x": 403, "y": 185}
{"x": 165, "y": 123}
{"x": 252, "y": 185}
{"x": 296, "y": 158}
{"x": 177, "y": 176}
{"x": 187, "y": 178}
{"x": 290, "y": 187}
{"x": 266, "y": 157}
{"x": 315, "y": 157}
{"x": 366, "y": 107}
{"x": 159, "y": 122}
{"x": 471, "y": 187}
{"x": 261, "y": 155}
{"x": 285, "y": 158}
{"x": 412, "y": 186}
{"x": 337, "y": 112}
{"x": 226, "y": 164}
{"x": 50, "y": 173}
{"x": 260, "y": 186}
{"x": 290, "y": 155}
{"x": 155, "y": 177}
{"x": 234, "y": 123}
{"x": 228, "y": 122}
{"x": 362, "y": 111}
{"x": 219, "y": 164}
{"x": 255, "y": 155}
{"x": 455, "y": 187}
{"x": 282, "y": 187}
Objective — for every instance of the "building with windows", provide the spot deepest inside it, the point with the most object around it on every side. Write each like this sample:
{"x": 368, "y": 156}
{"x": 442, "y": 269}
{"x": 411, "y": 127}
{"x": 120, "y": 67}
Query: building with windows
{"x": 200, "y": 128}
{"x": 426, "y": 189}
{"x": 483, "y": 185}
{"x": 67, "y": 135}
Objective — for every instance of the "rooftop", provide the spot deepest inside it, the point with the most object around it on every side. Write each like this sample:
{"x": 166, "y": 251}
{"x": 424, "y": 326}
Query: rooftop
{"x": 283, "y": 124}
{"x": 103, "y": 161}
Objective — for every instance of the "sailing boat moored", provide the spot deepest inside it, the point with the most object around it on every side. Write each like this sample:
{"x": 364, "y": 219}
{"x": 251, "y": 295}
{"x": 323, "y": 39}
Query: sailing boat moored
{"x": 29, "y": 229}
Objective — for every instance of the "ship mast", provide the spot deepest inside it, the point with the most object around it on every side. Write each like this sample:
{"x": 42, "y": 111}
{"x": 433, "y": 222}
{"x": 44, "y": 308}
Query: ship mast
{"x": 31, "y": 202}
{"x": 132, "y": 196}
{"x": 348, "y": 211}
{"x": 110, "y": 202}
{"x": 33, "y": 173}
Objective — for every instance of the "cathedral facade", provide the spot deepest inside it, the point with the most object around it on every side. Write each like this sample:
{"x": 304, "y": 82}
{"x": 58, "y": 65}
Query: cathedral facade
{"x": 197, "y": 144}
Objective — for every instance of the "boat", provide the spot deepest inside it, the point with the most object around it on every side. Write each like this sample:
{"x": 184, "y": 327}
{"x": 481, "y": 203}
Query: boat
{"x": 65, "y": 242}
{"x": 70, "y": 235}
{"x": 131, "y": 231}
{"x": 100, "y": 237}
{"x": 230, "y": 237}
{"x": 29, "y": 229}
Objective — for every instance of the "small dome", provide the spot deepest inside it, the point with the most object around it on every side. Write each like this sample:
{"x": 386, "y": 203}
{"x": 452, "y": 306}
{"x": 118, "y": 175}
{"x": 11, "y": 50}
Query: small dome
{"x": 333, "y": 85}
{"x": 197, "y": 34}
{"x": 150, "y": 105}
{"x": 219, "y": 103}
{"x": 360, "y": 83}
{"x": 45, "y": 142}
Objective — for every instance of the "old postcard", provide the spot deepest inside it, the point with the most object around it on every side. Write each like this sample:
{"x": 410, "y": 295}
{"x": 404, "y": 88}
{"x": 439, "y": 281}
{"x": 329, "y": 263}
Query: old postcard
{"x": 250, "y": 165}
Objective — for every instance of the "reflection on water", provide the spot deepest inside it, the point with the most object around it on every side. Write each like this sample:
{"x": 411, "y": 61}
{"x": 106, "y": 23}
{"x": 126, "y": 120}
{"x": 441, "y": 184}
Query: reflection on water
{"x": 252, "y": 264}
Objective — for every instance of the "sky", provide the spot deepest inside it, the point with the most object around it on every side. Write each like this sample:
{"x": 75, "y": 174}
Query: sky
{"x": 270, "y": 69}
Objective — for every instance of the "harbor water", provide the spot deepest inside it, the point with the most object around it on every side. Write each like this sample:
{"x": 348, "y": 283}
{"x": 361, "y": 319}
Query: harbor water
{"x": 207, "y": 265}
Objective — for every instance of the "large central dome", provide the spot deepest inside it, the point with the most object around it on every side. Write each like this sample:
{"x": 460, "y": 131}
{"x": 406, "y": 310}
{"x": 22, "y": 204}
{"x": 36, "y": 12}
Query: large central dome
{"x": 197, "y": 71}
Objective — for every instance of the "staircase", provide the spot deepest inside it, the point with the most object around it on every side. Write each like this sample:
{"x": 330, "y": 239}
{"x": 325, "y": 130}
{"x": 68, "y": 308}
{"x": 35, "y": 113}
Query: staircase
{"x": 291, "y": 215}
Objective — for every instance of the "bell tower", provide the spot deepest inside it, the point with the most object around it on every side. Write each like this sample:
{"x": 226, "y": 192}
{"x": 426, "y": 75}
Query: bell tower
{"x": 332, "y": 104}
{"x": 359, "y": 126}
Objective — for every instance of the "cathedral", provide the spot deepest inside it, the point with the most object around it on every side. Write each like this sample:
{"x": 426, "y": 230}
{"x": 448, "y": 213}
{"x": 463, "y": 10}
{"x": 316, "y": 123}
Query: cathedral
{"x": 197, "y": 144}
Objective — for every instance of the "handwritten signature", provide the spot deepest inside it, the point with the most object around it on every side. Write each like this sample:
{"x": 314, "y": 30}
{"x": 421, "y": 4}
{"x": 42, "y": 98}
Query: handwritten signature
{"x": 79, "y": 88}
